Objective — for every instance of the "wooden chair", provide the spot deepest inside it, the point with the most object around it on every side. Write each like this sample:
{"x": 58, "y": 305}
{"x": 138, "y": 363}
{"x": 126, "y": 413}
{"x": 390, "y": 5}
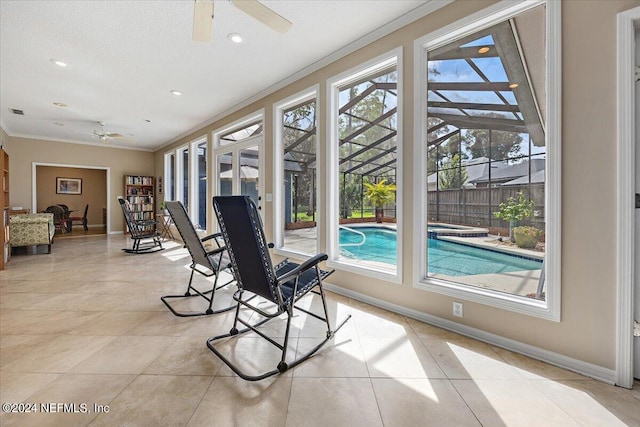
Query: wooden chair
{"x": 143, "y": 232}
{"x": 60, "y": 221}
{"x": 81, "y": 219}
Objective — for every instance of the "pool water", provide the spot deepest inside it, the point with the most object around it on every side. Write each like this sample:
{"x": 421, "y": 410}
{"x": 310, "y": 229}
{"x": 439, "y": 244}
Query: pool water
{"x": 448, "y": 258}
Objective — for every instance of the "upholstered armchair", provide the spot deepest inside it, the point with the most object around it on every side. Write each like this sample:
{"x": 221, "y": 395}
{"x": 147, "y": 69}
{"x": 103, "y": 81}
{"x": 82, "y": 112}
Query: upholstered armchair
{"x": 31, "y": 229}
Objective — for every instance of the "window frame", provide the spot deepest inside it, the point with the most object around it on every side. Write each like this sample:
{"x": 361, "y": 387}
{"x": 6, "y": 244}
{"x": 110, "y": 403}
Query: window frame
{"x": 333, "y": 85}
{"x": 278, "y": 175}
{"x": 194, "y": 179}
{"x": 169, "y": 162}
{"x": 180, "y": 173}
{"x": 549, "y": 309}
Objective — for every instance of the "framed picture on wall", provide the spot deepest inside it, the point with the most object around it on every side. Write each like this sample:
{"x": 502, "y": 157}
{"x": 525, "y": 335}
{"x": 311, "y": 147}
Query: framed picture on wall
{"x": 68, "y": 185}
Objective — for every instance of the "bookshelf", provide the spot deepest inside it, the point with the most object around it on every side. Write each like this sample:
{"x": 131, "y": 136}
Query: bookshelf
{"x": 4, "y": 205}
{"x": 139, "y": 190}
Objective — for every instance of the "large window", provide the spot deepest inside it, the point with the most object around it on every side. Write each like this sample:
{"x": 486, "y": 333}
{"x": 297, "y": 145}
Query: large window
{"x": 296, "y": 180}
{"x": 199, "y": 183}
{"x": 490, "y": 181}
{"x": 238, "y": 159}
{"x": 364, "y": 170}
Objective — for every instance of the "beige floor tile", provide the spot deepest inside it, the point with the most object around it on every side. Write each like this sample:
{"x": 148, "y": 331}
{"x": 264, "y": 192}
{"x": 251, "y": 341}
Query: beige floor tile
{"x": 186, "y": 356}
{"x": 124, "y": 355}
{"x": 82, "y": 394}
{"x": 400, "y": 357}
{"x": 17, "y": 386}
{"x": 111, "y": 323}
{"x": 511, "y": 403}
{"x": 13, "y": 347}
{"x": 235, "y": 402}
{"x": 341, "y": 356}
{"x": 333, "y": 402}
{"x": 421, "y": 402}
{"x": 58, "y": 353}
{"x": 591, "y": 402}
{"x": 31, "y": 322}
{"x": 535, "y": 369}
{"x": 156, "y": 400}
{"x": 161, "y": 324}
{"x": 465, "y": 358}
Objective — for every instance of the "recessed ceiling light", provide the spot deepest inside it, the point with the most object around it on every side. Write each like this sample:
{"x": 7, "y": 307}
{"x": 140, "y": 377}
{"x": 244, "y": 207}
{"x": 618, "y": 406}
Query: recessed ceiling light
{"x": 484, "y": 49}
{"x": 513, "y": 85}
{"x": 60, "y": 104}
{"x": 58, "y": 62}
{"x": 176, "y": 92}
{"x": 235, "y": 37}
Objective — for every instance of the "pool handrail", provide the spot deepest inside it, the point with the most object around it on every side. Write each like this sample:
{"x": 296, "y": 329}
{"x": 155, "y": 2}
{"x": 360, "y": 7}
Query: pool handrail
{"x": 360, "y": 233}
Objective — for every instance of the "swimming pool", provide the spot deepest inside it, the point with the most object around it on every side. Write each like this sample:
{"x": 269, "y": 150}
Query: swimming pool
{"x": 452, "y": 259}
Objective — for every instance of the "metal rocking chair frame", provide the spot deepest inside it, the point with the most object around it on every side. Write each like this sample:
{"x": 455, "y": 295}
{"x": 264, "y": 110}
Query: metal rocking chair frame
{"x": 141, "y": 232}
{"x": 206, "y": 262}
{"x": 281, "y": 285}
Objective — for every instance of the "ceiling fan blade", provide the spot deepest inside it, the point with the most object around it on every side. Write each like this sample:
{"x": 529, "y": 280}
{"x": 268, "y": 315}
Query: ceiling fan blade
{"x": 202, "y": 20}
{"x": 263, "y": 14}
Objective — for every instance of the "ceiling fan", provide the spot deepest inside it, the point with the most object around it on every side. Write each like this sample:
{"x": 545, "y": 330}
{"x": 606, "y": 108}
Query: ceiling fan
{"x": 104, "y": 135}
{"x": 203, "y": 17}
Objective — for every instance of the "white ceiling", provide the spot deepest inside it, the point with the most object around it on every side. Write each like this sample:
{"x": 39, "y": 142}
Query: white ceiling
{"x": 125, "y": 56}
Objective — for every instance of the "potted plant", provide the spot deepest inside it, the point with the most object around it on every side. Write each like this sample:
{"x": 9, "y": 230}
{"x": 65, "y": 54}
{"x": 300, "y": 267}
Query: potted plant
{"x": 163, "y": 206}
{"x": 514, "y": 211}
{"x": 526, "y": 237}
{"x": 379, "y": 194}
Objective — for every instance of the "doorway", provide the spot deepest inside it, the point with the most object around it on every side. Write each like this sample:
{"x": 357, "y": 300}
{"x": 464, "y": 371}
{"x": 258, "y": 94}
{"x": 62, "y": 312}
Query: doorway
{"x": 93, "y": 189}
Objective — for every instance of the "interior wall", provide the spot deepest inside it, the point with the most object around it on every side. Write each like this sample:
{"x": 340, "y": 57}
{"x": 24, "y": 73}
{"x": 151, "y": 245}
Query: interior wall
{"x": 587, "y": 330}
{"x": 23, "y": 152}
{"x": 94, "y": 191}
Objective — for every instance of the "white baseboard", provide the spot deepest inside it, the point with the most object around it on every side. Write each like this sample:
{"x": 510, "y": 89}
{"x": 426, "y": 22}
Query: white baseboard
{"x": 584, "y": 368}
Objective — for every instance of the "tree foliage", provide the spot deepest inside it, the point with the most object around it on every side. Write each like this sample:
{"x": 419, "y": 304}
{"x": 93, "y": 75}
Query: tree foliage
{"x": 453, "y": 174}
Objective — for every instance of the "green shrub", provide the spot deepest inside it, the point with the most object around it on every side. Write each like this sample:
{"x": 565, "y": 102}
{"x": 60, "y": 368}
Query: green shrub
{"x": 526, "y": 237}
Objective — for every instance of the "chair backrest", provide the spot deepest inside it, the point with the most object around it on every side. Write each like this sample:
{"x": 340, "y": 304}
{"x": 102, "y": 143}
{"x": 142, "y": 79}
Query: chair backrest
{"x": 58, "y": 213}
{"x": 86, "y": 209}
{"x": 189, "y": 236}
{"x": 65, "y": 209}
{"x": 128, "y": 218}
{"x": 244, "y": 237}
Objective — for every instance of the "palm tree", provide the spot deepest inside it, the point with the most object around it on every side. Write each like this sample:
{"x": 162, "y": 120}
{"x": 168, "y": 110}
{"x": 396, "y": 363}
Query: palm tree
{"x": 380, "y": 194}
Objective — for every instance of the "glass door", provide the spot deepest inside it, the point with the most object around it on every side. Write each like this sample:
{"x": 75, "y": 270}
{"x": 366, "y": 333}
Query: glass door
{"x": 239, "y": 169}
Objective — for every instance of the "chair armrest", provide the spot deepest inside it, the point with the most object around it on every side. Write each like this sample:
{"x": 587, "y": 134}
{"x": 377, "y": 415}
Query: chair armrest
{"x": 216, "y": 251}
{"x": 211, "y": 236}
{"x": 311, "y": 262}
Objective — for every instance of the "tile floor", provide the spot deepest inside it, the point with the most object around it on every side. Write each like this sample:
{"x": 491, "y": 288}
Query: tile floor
{"x": 85, "y": 326}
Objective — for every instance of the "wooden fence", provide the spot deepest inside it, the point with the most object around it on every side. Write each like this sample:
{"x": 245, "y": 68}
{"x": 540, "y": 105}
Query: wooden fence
{"x": 475, "y": 206}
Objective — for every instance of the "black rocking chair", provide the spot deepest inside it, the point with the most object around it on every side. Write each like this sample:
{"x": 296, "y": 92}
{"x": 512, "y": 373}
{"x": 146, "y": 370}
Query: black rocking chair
{"x": 143, "y": 232}
{"x": 281, "y": 285}
{"x": 206, "y": 262}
